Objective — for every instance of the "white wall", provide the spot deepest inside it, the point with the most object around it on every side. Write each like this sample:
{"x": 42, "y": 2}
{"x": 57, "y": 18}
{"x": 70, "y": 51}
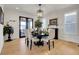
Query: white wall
{"x": 14, "y": 15}
{"x": 60, "y": 15}
{"x": 1, "y": 35}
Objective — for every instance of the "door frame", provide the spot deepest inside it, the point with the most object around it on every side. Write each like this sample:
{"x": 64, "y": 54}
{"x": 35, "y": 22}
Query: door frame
{"x": 26, "y": 26}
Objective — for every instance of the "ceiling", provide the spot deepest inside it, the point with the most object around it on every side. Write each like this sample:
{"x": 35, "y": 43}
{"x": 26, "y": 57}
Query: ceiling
{"x": 32, "y": 8}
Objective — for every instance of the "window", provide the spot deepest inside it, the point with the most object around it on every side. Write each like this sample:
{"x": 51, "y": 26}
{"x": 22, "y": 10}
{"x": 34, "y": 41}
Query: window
{"x": 30, "y": 23}
{"x": 23, "y": 25}
{"x": 44, "y": 23}
{"x": 70, "y": 23}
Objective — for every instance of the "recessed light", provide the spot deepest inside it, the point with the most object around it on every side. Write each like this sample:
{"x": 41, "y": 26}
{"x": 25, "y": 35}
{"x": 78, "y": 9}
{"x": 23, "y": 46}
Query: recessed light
{"x": 17, "y": 8}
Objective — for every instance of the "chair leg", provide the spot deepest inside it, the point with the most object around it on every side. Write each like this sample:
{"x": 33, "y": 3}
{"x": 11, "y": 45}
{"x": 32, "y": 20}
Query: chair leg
{"x": 49, "y": 44}
{"x": 30, "y": 44}
{"x": 53, "y": 43}
{"x": 27, "y": 42}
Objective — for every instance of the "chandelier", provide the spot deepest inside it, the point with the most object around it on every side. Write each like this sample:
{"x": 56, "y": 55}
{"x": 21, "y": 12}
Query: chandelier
{"x": 39, "y": 12}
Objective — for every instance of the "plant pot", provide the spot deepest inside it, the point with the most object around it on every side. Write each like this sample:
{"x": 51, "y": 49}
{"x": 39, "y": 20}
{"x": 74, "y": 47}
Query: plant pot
{"x": 6, "y": 38}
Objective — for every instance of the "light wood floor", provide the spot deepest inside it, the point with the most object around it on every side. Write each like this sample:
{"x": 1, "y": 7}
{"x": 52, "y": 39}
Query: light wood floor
{"x": 18, "y": 47}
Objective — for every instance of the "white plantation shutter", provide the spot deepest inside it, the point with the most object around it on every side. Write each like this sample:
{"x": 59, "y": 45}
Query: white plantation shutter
{"x": 70, "y": 23}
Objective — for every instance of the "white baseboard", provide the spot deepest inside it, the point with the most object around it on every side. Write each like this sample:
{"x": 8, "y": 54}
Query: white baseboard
{"x": 74, "y": 39}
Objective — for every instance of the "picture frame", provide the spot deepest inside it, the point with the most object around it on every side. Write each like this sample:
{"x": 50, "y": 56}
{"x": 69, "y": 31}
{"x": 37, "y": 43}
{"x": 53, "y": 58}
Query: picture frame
{"x": 53, "y": 21}
{"x": 1, "y": 16}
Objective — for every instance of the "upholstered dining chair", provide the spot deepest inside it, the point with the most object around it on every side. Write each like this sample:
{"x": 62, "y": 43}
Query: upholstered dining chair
{"x": 28, "y": 37}
{"x": 50, "y": 37}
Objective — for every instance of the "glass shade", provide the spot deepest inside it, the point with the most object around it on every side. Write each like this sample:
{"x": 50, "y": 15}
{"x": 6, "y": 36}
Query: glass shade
{"x": 40, "y": 13}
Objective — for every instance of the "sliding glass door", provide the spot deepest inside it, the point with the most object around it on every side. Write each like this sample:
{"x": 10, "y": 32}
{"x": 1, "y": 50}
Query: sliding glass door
{"x": 23, "y": 28}
{"x": 24, "y": 24}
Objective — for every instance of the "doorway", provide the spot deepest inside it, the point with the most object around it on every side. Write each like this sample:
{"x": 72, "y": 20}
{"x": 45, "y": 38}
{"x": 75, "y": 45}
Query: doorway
{"x": 24, "y": 24}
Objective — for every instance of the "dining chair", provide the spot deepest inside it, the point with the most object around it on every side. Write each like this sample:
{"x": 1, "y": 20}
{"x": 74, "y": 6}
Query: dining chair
{"x": 50, "y": 37}
{"x": 28, "y": 37}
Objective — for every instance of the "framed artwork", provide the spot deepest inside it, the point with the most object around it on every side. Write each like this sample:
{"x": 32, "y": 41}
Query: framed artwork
{"x": 53, "y": 22}
{"x": 1, "y": 16}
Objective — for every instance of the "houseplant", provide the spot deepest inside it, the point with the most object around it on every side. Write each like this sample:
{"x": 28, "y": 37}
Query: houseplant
{"x": 8, "y": 30}
{"x": 38, "y": 24}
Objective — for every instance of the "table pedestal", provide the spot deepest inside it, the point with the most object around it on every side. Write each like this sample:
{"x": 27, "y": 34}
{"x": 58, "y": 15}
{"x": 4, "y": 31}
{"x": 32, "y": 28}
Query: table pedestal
{"x": 39, "y": 43}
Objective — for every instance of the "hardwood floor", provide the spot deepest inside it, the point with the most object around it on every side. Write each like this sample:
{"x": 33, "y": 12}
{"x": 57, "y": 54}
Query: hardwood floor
{"x": 18, "y": 47}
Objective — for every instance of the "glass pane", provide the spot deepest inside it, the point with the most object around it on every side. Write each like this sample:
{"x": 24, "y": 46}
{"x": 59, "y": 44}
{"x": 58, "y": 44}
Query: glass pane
{"x": 23, "y": 28}
{"x": 23, "y": 23}
{"x": 30, "y": 23}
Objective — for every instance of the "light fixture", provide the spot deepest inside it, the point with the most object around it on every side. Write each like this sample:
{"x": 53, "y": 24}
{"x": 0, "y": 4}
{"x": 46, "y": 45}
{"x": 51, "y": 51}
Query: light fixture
{"x": 17, "y": 8}
{"x": 39, "y": 12}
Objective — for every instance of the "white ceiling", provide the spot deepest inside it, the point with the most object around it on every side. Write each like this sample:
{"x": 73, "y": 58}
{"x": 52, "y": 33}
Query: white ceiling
{"x": 32, "y": 8}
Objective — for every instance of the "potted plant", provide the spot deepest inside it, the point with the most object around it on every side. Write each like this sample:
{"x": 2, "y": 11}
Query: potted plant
{"x": 8, "y": 30}
{"x": 38, "y": 25}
